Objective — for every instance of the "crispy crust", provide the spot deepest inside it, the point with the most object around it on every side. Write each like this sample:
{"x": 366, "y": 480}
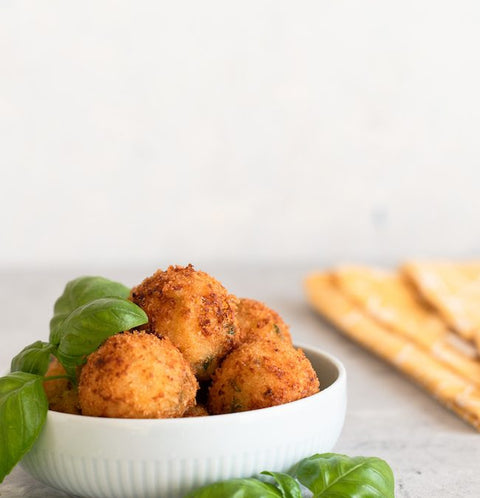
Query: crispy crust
{"x": 137, "y": 375}
{"x": 260, "y": 374}
{"x": 257, "y": 321}
{"x": 62, "y": 395}
{"x": 194, "y": 311}
{"x": 196, "y": 411}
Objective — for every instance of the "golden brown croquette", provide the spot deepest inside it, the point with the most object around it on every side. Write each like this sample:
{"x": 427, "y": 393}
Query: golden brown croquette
{"x": 258, "y": 321}
{"x": 259, "y": 374}
{"x": 61, "y": 394}
{"x": 194, "y": 311}
{"x": 136, "y": 375}
{"x": 196, "y": 411}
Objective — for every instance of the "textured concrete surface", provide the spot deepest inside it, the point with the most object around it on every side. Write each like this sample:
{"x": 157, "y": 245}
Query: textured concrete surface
{"x": 431, "y": 451}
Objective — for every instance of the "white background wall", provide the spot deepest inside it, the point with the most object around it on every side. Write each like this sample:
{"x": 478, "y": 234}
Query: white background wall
{"x": 135, "y": 131}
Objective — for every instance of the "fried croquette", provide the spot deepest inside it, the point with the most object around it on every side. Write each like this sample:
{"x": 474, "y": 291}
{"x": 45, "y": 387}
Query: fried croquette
{"x": 196, "y": 411}
{"x": 137, "y": 375}
{"x": 61, "y": 394}
{"x": 194, "y": 311}
{"x": 258, "y": 321}
{"x": 260, "y": 374}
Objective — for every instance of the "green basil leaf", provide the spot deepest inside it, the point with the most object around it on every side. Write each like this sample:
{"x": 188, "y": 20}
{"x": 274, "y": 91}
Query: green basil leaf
{"x": 333, "y": 476}
{"x": 56, "y": 329}
{"x": 82, "y": 290}
{"x": 79, "y": 292}
{"x": 88, "y": 326}
{"x": 23, "y": 410}
{"x": 237, "y": 488}
{"x": 287, "y": 485}
{"x": 33, "y": 359}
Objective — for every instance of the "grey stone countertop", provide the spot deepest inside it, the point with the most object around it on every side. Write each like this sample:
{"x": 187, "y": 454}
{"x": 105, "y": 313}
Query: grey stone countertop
{"x": 432, "y": 452}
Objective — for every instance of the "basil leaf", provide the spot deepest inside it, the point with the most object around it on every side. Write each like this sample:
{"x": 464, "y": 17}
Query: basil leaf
{"x": 237, "y": 488}
{"x": 34, "y": 359}
{"x": 82, "y": 290}
{"x": 287, "y": 485}
{"x": 88, "y": 326}
{"x": 330, "y": 475}
{"x": 78, "y": 292}
{"x": 23, "y": 410}
{"x": 56, "y": 329}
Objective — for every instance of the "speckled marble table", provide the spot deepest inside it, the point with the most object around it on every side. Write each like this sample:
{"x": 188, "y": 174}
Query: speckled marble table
{"x": 432, "y": 452}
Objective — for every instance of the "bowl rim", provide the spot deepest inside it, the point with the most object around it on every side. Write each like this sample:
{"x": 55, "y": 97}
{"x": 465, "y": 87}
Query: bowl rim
{"x": 239, "y": 416}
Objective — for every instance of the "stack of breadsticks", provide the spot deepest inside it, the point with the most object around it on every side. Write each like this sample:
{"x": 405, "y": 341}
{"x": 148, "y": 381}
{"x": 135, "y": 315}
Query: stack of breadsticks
{"x": 423, "y": 318}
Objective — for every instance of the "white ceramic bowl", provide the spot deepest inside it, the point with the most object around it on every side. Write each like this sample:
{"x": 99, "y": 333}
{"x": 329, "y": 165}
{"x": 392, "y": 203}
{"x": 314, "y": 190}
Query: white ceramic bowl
{"x": 105, "y": 457}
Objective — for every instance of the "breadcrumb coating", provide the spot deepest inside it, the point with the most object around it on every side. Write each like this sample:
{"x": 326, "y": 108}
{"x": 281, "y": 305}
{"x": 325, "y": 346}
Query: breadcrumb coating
{"x": 61, "y": 394}
{"x": 260, "y": 374}
{"x": 196, "y": 411}
{"x": 194, "y": 311}
{"x": 137, "y": 375}
{"x": 257, "y": 321}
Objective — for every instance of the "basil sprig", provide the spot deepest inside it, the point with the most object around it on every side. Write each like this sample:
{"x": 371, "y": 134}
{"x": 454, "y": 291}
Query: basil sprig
{"x": 82, "y": 290}
{"x": 85, "y": 328}
{"x": 238, "y": 488}
{"x": 328, "y": 475}
{"x": 286, "y": 484}
{"x": 23, "y": 410}
{"x": 90, "y": 310}
{"x": 34, "y": 359}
